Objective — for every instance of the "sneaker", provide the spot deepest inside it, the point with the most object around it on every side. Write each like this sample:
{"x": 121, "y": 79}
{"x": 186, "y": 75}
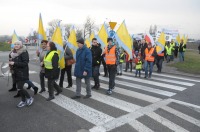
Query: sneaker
{"x": 58, "y": 93}
{"x": 42, "y": 90}
{"x": 97, "y": 87}
{"x": 94, "y": 87}
{"x": 50, "y": 98}
{"x": 29, "y": 101}
{"x": 87, "y": 96}
{"x": 21, "y": 104}
{"x": 76, "y": 97}
{"x": 12, "y": 89}
{"x": 17, "y": 95}
{"x": 109, "y": 92}
{"x": 69, "y": 86}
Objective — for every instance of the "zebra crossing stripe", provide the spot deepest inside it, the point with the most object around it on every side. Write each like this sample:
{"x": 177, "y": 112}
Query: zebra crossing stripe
{"x": 175, "y": 77}
{"x": 89, "y": 114}
{"x": 141, "y": 87}
{"x": 181, "y": 115}
{"x": 166, "y": 80}
{"x": 130, "y": 93}
{"x": 114, "y": 102}
{"x": 164, "y": 85}
{"x": 166, "y": 122}
{"x": 117, "y": 122}
{"x": 139, "y": 126}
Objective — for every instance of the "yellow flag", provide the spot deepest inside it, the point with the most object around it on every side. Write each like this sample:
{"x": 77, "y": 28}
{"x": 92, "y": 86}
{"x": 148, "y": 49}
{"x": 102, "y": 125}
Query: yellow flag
{"x": 92, "y": 36}
{"x": 72, "y": 44}
{"x": 87, "y": 42}
{"x": 57, "y": 39}
{"x": 123, "y": 38}
{"x": 41, "y": 32}
{"x": 14, "y": 39}
{"x": 185, "y": 40}
{"x": 178, "y": 39}
{"x": 102, "y": 36}
{"x": 160, "y": 43}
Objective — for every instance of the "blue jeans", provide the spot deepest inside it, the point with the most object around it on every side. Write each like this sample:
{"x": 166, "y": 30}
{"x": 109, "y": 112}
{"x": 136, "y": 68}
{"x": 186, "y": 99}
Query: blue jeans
{"x": 148, "y": 65}
{"x": 138, "y": 71}
{"x": 181, "y": 56}
{"x": 30, "y": 83}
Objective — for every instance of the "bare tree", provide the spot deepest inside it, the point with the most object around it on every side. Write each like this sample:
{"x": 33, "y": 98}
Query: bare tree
{"x": 79, "y": 33}
{"x": 155, "y": 29}
{"x": 53, "y": 24}
{"x": 67, "y": 29}
{"x": 88, "y": 27}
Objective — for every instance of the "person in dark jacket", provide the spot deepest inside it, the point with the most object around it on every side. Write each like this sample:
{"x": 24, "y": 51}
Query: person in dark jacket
{"x": 52, "y": 70}
{"x": 19, "y": 63}
{"x": 143, "y": 46}
{"x": 96, "y": 62}
{"x": 68, "y": 67}
{"x": 83, "y": 69}
{"x": 182, "y": 49}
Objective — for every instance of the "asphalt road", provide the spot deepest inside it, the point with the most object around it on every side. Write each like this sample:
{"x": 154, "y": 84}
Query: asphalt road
{"x": 161, "y": 104}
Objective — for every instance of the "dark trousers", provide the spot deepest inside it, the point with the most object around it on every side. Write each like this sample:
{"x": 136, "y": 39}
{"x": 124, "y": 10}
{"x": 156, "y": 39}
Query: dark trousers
{"x": 176, "y": 53}
{"x": 95, "y": 74}
{"x": 51, "y": 85}
{"x": 23, "y": 93}
{"x": 42, "y": 83}
{"x": 112, "y": 73}
{"x": 127, "y": 66}
{"x": 138, "y": 71}
{"x": 68, "y": 70}
{"x": 105, "y": 67}
{"x": 159, "y": 63}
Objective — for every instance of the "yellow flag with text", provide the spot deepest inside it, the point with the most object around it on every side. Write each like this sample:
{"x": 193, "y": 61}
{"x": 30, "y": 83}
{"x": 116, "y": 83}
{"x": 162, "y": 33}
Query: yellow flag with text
{"x": 57, "y": 39}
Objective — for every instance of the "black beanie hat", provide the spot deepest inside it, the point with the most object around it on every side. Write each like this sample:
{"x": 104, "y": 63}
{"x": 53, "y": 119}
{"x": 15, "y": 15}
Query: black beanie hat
{"x": 81, "y": 40}
{"x": 109, "y": 39}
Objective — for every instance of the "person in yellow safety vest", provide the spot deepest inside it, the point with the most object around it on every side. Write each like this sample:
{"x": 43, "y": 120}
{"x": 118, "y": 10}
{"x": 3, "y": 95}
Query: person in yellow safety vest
{"x": 172, "y": 45}
{"x": 150, "y": 54}
{"x": 52, "y": 70}
{"x": 138, "y": 66}
{"x": 168, "y": 52}
{"x": 182, "y": 49}
{"x": 121, "y": 61}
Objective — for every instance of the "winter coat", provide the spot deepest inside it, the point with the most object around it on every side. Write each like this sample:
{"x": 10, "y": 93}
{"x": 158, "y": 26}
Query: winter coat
{"x": 68, "y": 54}
{"x": 96, "y": 55}
{"x": 53, "y": 73}
{"x": 83, "y": 62}
{"x": 20, "y": 68}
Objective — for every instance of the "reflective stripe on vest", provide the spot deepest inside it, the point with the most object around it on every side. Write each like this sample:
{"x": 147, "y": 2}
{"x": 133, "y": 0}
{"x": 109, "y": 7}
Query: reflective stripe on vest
{"x": 148, "y": 54}
{"x": 122, "y": 58}
{"x": 48, "y": 60}
{"x": 169, "y": 50}
{"x": 110, "y": 56}
{"x": 139, "y": 65}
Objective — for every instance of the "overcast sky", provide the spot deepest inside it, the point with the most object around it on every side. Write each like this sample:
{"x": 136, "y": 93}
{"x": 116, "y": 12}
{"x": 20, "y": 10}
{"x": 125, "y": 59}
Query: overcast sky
{"x": 22, "y": 15}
